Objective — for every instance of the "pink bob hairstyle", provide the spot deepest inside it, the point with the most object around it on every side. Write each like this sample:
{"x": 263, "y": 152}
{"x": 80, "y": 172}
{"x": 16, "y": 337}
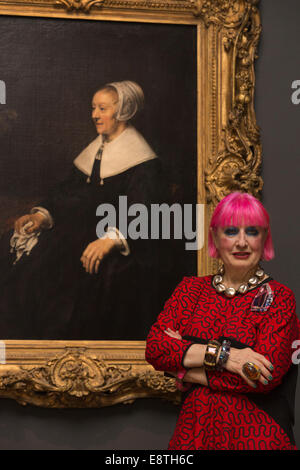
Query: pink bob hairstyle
{"x": 238, "y": 209}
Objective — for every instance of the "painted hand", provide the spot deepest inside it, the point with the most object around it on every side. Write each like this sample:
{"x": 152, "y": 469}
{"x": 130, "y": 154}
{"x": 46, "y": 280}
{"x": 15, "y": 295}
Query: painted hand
{"x": 95, "y": 252}
{"x": 36, "y": 220}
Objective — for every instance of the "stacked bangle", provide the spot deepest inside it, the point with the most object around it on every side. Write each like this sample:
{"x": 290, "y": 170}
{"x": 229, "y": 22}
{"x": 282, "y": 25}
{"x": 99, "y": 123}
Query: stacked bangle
{"x": 211, "y": 354}
{"x": 224, "y": 354}
{"x": 212, "y": 360}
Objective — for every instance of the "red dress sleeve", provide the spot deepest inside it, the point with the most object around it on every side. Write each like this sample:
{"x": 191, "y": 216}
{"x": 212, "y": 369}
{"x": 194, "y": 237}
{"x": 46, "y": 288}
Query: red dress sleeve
{"x": 274, "y": 341}
{"x": 162, "y": 351}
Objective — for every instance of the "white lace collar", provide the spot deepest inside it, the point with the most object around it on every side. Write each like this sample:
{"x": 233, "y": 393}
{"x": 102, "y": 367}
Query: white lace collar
{"x": 125, "y": 151}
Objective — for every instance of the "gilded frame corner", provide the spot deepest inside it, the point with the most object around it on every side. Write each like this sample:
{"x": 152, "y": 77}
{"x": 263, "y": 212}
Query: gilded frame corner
{"x": 58, "y": 374}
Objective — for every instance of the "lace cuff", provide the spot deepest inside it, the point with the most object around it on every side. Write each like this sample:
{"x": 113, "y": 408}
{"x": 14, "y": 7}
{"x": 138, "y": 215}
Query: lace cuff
{"x": 49, "y": 222}
{"x": 115, "y": 234}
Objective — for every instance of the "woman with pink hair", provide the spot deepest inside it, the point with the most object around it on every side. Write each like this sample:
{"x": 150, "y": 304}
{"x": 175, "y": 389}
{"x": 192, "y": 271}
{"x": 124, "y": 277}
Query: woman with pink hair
{"x": 228, "y": 339}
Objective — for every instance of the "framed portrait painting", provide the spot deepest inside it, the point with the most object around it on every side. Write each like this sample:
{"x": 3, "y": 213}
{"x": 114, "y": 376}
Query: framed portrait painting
{"x": 121, "y": 127}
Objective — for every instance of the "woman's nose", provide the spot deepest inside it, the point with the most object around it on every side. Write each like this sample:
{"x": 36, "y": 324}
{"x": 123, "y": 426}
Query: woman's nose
{"x": 95, "y": 113}
{"x": 242, "y": 239}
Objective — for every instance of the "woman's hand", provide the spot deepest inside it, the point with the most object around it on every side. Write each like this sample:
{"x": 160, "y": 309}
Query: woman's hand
{"x": 196, "y": 375}
{"x": 36, "y": 221}
{"x": 173, "y": 334}
{"x": 95, "y": 252}
{"x": 238, "y": 357}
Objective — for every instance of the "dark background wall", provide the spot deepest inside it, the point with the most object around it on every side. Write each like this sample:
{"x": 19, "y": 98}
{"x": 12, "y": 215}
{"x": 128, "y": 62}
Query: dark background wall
{"x": 279, "y": 119}
{"x": 148, "y": 424}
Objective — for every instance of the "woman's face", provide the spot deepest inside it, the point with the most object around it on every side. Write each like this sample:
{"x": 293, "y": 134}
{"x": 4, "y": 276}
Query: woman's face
{"x": 104, "y": 108}
{"x": 240, "y": 247}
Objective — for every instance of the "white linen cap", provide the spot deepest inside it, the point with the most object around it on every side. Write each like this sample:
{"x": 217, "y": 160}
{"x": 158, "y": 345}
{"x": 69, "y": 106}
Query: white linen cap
{"x": 130, "y": 99}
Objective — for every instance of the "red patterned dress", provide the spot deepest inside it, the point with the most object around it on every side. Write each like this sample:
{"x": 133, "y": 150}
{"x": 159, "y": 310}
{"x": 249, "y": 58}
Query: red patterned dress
{"x": 228, "y": 413}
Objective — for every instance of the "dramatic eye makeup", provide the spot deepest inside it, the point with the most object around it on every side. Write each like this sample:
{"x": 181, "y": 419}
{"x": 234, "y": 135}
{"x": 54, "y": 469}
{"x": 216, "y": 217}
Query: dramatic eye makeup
{"x": 250, "y": 231}
{"x": 231, "y": 231}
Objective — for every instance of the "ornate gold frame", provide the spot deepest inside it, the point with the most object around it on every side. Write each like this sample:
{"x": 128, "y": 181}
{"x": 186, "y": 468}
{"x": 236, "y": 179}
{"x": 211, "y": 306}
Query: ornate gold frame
{"x": 94, "y": 374}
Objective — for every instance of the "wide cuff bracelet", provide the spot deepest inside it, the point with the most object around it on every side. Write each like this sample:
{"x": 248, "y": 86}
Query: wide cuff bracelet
{"x": 211, "y": 354}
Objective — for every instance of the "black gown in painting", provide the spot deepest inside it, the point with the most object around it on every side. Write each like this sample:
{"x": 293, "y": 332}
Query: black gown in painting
{"x": 49, "y": 295}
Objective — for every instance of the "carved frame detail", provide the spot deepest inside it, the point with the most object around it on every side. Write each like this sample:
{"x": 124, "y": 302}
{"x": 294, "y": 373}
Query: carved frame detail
{"x": 58, "y": 374}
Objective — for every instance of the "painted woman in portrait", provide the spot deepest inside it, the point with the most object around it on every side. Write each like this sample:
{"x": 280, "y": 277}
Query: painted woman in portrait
{"x": 58, "y": 279}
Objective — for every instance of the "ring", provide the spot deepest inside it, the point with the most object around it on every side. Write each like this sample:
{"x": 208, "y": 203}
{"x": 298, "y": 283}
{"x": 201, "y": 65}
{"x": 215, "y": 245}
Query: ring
{"x": 251, "y": 371}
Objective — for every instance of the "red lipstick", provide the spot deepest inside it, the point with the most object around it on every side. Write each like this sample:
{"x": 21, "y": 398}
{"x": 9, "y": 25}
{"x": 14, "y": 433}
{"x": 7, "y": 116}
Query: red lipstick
{"x": 241, "y": 255}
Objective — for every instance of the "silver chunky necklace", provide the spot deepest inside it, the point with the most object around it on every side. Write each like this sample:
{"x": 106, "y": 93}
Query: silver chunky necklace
{"x": 231, "y": 291}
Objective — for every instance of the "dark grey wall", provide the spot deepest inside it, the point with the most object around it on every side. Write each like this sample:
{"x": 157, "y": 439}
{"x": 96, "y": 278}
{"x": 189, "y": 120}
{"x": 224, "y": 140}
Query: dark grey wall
{"x": 278, "y": 66}
{"x": 145, "y": 425}
{"x": 148, "y": 424}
